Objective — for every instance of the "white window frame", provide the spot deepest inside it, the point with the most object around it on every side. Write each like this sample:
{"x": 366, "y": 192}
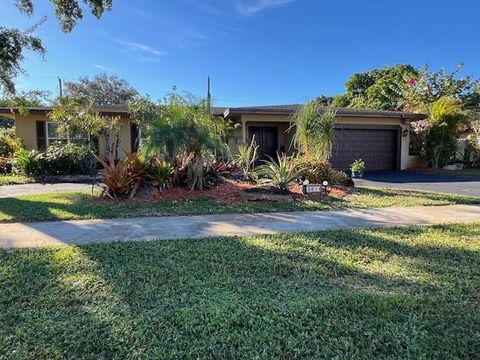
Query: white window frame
{"x": 53, "y": 139}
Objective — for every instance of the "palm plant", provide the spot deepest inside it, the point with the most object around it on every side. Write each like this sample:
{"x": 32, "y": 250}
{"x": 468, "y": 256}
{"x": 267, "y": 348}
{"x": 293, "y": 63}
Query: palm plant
{"x": 314, "y": 134}
{"x": 280, "y": 173}
{"x": 246, "y": 157}
{"x": 183, "y": 132}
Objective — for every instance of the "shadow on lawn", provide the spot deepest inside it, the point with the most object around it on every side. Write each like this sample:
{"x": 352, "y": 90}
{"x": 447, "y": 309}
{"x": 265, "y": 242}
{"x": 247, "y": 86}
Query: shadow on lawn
{"x": 274, "y": 296}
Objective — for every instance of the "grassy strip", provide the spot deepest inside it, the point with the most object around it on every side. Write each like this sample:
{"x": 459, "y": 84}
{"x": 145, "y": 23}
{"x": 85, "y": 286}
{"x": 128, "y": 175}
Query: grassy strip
{"x": 15, "y": 179}
{"x": 80, "y": 205}
{"x": 473, "y": 172}
{"x": 397, "y": 293}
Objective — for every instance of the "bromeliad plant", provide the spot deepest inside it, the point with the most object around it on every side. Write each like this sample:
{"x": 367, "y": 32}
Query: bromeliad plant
{"x": 160, "y": 174}
{"x": 280, "y": 173}
{"x": 116, "y": 181}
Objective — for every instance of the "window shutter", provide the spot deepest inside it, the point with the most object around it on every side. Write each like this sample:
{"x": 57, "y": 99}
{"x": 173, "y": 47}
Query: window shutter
{"x": 41, "y": 135}
{"x": 134, "y": 136}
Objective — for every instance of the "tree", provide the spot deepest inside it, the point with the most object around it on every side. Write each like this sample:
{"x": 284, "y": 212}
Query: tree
{"x": 102, "y": 90}
{"x": 314, "y": 130}
{"x": 446, "y": 116}
{"x": 379, "y": 89}
{"x": 184, "y": 133}
{"x": 78, "y": 119}
{"x": 22, "y": 102}
{"x": 14, "y": 42}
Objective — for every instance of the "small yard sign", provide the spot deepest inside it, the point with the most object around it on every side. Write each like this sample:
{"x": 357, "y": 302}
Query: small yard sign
{"x": 315, "y": 188}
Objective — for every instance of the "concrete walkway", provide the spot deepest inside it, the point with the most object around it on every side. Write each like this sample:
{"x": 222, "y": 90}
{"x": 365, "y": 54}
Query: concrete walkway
{"x": 30, "y": 189}
{"x": 19, "y": 235}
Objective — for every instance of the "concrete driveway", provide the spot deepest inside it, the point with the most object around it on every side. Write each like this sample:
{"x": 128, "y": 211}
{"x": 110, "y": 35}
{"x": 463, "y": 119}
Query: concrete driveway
{"x": 453, "y": 184}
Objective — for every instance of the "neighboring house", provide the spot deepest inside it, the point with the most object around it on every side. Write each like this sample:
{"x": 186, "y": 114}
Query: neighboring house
{"x": 380, "y": 138}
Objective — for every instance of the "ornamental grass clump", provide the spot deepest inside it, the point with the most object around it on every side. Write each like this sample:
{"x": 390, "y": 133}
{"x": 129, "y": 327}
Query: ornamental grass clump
{"x": 246, "y": 158}
{"x": 314, "y": 130}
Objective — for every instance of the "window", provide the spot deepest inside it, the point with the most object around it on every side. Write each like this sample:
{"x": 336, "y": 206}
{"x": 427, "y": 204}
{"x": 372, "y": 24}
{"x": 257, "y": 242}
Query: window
{"x": 53, "y": 136}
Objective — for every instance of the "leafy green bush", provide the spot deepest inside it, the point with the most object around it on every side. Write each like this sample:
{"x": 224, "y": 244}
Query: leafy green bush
{"x": 59, "y": 159}
{"x": 280, "y": 173}
{"x": 9, "y": 142}
{"x": 357, "y": 166}
{"x": 5, "y": 165}
{"x": 68, "y": 159}
{"x": 28, "y": 162}
{"x": 318, "y": 172}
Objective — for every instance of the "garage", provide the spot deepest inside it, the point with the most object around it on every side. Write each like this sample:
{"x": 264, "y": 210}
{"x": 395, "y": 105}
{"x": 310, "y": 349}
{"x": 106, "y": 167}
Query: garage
{"x": 378, "y": 147}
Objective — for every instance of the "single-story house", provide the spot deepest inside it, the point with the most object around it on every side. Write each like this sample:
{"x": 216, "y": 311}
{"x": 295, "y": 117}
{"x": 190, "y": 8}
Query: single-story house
{"x": 380, "y": 138}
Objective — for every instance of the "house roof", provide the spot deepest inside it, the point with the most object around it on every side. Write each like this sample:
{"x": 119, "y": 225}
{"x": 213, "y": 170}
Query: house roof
{"x": 103, "y": 109}
{"x": 290, "y": 109}
{"x": 261, "y": 110}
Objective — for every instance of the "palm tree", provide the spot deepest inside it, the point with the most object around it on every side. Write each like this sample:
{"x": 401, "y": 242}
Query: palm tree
{"x": 184, "y": 133}
{"x": 314, "y": 134}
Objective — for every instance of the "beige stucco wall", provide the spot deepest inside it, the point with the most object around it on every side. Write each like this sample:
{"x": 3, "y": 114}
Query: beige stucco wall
{"x": 285, "y": 138}
{"x": 25, "y": 127}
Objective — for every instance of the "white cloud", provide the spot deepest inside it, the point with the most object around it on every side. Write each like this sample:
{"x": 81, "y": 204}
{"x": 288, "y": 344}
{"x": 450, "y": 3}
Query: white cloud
{"x": 145, "y": 59}
{"x": 133, "y": 46}
{"x": 102, "y": 67}
{"x": 250, "y": 7}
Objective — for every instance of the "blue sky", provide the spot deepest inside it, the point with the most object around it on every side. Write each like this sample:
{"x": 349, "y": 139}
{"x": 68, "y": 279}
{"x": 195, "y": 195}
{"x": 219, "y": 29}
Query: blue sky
{"x": 256, "y": 51}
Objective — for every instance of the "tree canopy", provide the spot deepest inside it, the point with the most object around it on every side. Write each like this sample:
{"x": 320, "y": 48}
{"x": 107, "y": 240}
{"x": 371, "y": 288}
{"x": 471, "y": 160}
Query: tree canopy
{"x": 101, "y": 90}
{"x": 15, "y": 42}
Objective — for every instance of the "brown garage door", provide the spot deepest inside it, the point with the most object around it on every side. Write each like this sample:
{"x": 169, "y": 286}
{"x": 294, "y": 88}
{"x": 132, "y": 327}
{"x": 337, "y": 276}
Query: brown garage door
{"x": 377, "y": 147}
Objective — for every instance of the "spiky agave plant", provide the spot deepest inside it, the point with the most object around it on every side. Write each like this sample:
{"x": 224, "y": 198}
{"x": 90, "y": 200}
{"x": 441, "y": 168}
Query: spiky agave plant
{"x": 280, "y": 173}
{"x": 246, "y": 157}
{"x": 314, "y": 130}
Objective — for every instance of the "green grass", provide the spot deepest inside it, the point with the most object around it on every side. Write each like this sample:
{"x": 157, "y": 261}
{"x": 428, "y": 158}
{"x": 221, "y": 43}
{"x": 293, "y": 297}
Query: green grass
{"x": 15, "y": 179}
{"x": 410, "y": 293}
{"x": 82, "y": 205}
{"x": 474, "y": 172}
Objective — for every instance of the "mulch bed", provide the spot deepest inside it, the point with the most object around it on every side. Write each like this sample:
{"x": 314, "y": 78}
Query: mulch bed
{"x": 228, "y": 193}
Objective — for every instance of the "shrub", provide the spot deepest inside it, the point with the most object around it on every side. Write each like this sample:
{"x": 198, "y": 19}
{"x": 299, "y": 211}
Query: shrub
{"x": 318, "y": 172}
{"x": 28, "y": 162}
{"x": 357, "y": 166}
{"x": 280, "y": 173}
{"x": 9, "y": 143}
{"x": 5, "y": 165}
{"x": 69, "y": 159}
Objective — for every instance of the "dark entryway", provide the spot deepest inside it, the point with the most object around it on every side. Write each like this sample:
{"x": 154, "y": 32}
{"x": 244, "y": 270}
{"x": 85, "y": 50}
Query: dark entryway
{"x": 377, "y": 147}
{"x": 267, "y": 140}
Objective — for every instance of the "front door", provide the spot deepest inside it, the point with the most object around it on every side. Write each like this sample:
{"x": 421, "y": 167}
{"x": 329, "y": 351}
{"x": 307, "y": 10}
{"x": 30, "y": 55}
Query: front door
{"x": 267, "y": 141}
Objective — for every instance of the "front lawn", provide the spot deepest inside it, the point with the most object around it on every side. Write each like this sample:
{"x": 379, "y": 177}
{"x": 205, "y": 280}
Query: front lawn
{"x": 15, "y": 179}
{"x": 78, "y": 205}
{"x": 408, "y": 293}
{"x": 474, "y": 172}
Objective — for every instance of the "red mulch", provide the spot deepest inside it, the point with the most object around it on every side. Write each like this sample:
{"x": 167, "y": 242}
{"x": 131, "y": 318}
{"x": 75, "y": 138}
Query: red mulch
{"x": 229, "y": 193}
{"x": 226, "y": 193}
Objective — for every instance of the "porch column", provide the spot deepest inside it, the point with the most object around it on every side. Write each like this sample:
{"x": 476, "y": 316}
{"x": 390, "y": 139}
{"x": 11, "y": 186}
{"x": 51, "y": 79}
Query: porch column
{"x": 244, "y": 131}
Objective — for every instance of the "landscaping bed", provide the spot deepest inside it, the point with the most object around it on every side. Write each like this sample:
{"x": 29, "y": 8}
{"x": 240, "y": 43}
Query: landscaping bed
{"x": 403, "y": 293}
{"x": 85, "y": 205}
